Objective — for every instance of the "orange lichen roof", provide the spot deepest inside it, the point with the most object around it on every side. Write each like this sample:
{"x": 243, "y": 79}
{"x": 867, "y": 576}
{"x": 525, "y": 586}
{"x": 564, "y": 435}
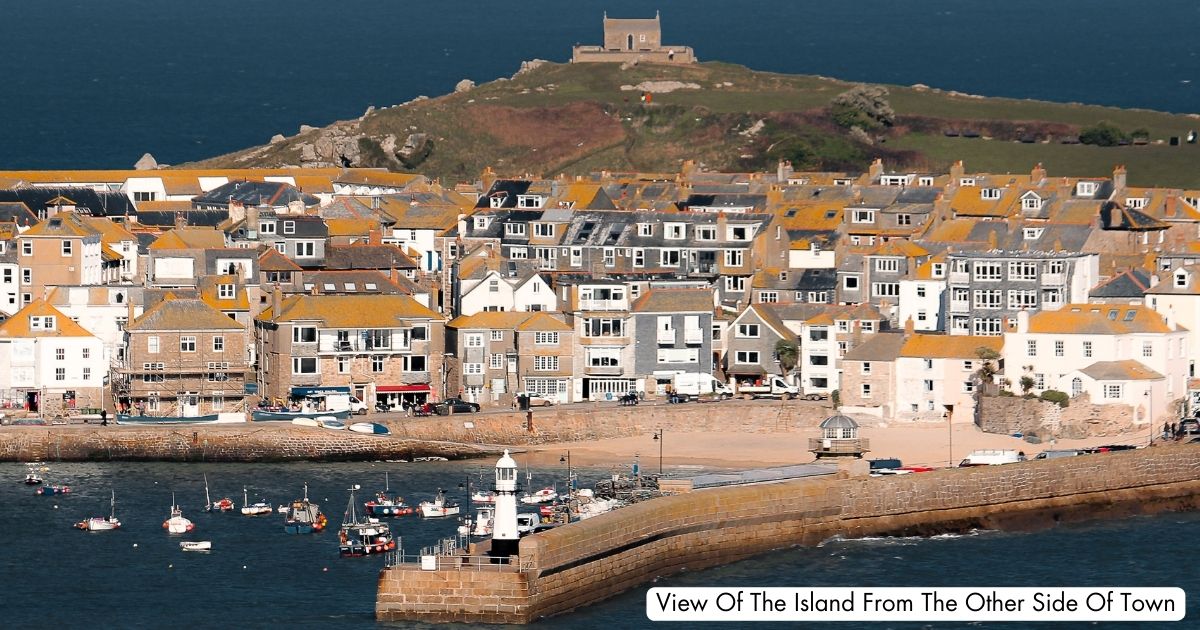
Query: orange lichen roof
{"x": 18, "y": 327}
{"x": 120, "y": 176}
{"x": 190, "y": 238}
{"x": 375, "y": 177}
{"x": 420, "y": 215}
{"x": 211, "y": 295}
{"x": 823, "y": 319}
{"x": 674, "y": 301}
{"x": 350, "y": 311}
{"x": 948, "y": 346}
{"x": 1126, "y": 370}
{"x": 62, "y": 224}
{"x": 110, "y": 231}
{"x": 164, "y": 206}
{"x": 174, "y": 313}
{"x": 351, "y": 227}
{"x": 272, "y": 260}
{"x": 1098, "y": 319}
{"x": 952, "y": 231}
{"x": 899, "y": 247}
{"x": 969, "y": 201}
{"x": 181, "y": 185}
{"x": 489, "y": 320}
{"x": 543, "y": 321}
{"x": 924, "y": 271}
{"x": 818, "y": 217}
{"x": 109, "y": 254}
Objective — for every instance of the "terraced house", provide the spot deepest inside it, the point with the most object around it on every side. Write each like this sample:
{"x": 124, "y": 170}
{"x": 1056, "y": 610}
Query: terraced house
{"x": 673, "y": 332}
{"x": 366, "y": 345}
{"x": 504, "y": 353}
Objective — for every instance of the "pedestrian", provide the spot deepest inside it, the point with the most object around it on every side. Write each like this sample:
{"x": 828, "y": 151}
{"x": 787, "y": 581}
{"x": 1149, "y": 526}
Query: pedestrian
{"x": 103, "y": 417}
{"x": 1175, "y": 430}
{"x": 1166, "y": 430}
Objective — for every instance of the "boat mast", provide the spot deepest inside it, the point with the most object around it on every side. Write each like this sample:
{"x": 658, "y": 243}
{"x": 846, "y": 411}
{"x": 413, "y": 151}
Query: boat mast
{"x": 112, "y": 503}
{"x": 207, "y": 498}
{"x": 387, "y": 488}
{"x": 245, "y": 498}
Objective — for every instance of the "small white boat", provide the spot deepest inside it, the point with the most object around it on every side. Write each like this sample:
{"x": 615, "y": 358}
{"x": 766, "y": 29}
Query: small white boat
{"x": 483, "y": 496}
{"x": 438, "y": 507}
{"x": 196, "y": 545}
{"x": 176, "y": 523}
{"x": 220, "y": 505}
{"x": 305, "y": 422}
{"x": 372, "y": 428}
{"x": 281, "y": 509}
{"x": 254, "y": 509}
{"x": 33, "y": 479}
{"x": 545, "y": 495}
{"x": 102, "y": 523}
{"x": 330, "y": 422}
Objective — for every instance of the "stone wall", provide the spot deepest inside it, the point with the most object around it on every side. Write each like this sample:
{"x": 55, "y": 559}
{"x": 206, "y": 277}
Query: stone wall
{"x": 1013, "y": 414}
{"x": 245, "y": 443}
{"x": 586, "y": 562}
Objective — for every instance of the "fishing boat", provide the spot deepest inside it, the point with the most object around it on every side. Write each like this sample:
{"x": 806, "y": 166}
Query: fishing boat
{"x": 304, "y": 516}
{"x": 196, "y": 545}
{"x": 483, "y": 496}
{"x": 125, "y": 418}
{"x": 102, "y": 523}
{"x": 329, "y": 422}
{"x": 33, "y": 479}
{"x": 372, "y": 428}
{"x": 46, "y": 491}
{"x": 387, "y": 504}
{"x": 439, "y": 506}
{"x": 363, "y": 537}
{"x": 177, "y": 523}
{"x": 485, "y": 517}
{"x": 254, "y": 509}
{"x": 220, "y": 505}
{"x": 545, "y": 495}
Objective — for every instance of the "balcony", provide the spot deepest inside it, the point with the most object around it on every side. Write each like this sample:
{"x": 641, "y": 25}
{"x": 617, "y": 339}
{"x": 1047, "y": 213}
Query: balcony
{"x": 667, "y": 336}
{"x": 1053, "y": 279}
{"x": 354, "y": 346}
{"x": 693, "y": 336}
{"x": 960, "y": 306}
{"x": 959, "y": 277}
{"x": 603, "y": 305}
{"x": 603, "y": 370}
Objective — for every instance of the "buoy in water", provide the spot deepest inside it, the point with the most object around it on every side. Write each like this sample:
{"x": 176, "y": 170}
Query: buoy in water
{"x": 135, "y": 544}
{"x": 243, "y": 566}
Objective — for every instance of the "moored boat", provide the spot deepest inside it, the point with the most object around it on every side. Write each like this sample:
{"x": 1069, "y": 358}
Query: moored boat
{"x": 483, "y": 496}
{"x": 373, "y": 428}
{"x": 439, "y": 506}
{"x": 196, "y": 545}
{"x": 177, "y": 523}
{"x": 329, "y": 422}
{"x": 545, "y": 495}
{"x": 363, "y": 537}
{"x": 46, "y": 491}
{"x": 261, "y": 415}
{"x": 33, "y": 479}
{"x": 485, "y": 517}
{"x": 254, "y": 509}
{"x": 102, "y": 523}
{"x": 387, "y": 504}
{"x": 124, "y": 418}
{"x": 220, "y": 505}
{"x": 304, "y": 516}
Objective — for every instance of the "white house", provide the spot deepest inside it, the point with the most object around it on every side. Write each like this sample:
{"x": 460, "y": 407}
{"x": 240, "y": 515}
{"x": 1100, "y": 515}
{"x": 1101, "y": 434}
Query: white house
{"x": 1176, "y": 296}
{"x": 102, "y": 311}
{"x": 935, "y": 376}
{"x": 53, "y": 364}
{"x": 1092, "y": 348}
{"x": 921, "y": 295}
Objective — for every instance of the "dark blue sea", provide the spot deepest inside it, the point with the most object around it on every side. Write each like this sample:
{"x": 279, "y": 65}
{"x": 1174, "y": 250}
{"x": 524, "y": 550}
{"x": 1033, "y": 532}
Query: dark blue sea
{"x": 54, "y": 576}
{"x": 87, "y": 84}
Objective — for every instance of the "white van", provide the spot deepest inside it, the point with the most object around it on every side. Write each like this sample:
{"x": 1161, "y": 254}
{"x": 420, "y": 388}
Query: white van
{"x": 695, "y": 384}
{"x": 992, "y": 457}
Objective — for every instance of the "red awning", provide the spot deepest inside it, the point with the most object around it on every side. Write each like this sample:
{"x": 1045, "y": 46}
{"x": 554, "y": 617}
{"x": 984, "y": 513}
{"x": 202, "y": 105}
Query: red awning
{"x": 402, "y": 389}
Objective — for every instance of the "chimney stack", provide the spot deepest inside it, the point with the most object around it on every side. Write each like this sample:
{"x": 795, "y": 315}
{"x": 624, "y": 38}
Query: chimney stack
{"x": 1022, "y": 321}
{"x": 374, "y": 237}
{"x": 875, "y": 170}
{"x": 909, "y": 326}
{"x": 784, "y": 171}
{"x": 1119, "y": 177}
{"x": 1038, "y": 174}
{"x": 276, "y": 300}
{"x": 956, "y": 172}
{"x": 1172, "y": 206}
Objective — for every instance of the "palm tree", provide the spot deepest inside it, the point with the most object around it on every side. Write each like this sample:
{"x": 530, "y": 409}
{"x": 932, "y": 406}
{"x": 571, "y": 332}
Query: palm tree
{"x": 788, "y": 354}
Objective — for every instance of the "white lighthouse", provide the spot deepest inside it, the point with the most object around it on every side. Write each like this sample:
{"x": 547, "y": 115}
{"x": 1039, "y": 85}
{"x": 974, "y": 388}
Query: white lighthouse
{"x": 504, "y": 530}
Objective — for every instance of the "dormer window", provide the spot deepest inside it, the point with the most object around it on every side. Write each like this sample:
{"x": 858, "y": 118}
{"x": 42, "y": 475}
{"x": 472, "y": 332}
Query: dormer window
{"x": 289, "y": 227}
{"x": 925, "y": 181}
{"x": 497, "y": 200}
{"x": 266, "y": 227}
{"x": 706, "y": 233}
{"x": 42, "y": 322}
{"x": 966, "y": 181}
{"x": 864, "y": 216}
{"x": 514, "y": 229}
{"x": 990, "y": 194}
{"x": 1031, "y": 202}
{"x": 1135, "y": 203}
{"x": 1085, "y": 189}
{"x": 895, "y": 180}
{"x": 225, "y": 291}
{"x": 645, "y": 229}
{"x": 1181, "y": 279}
{"x": 674, "y": 231}
{"x": 1032, "y": 234}
{"x": 783, "y": 276}
{"x": 740, "y": 233}
{"x": 938, "y": 270}
{"x": 481, "y": 223}
{"x": 529, "y": 201}
{"x": 545, "y": 230}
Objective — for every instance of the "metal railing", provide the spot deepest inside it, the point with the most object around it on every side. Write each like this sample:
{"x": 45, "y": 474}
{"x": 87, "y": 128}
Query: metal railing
{"x": 839, "y": 446}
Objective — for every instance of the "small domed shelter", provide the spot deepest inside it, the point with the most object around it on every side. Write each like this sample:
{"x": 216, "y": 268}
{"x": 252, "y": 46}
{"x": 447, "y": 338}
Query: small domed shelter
{"x": 839, "y": 438}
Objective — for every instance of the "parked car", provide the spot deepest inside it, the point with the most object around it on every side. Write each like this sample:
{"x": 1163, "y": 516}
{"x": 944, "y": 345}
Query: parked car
{"x": 457, "y": 405}
{"x": 536, "y": 400}
{"x": 1189, "y": 426}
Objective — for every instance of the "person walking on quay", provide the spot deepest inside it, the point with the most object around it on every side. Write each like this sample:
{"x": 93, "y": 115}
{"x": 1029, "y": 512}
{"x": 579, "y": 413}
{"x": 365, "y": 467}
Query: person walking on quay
{"x": 103, "y": 417}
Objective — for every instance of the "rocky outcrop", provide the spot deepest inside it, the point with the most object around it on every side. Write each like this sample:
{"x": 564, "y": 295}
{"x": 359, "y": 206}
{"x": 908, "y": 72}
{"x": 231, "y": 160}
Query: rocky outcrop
{"x": 146, "y": 163}
{"x": 466, "y": 85}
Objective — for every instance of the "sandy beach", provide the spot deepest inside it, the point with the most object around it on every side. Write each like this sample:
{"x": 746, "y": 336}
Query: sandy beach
{"x": 915, "y": 445}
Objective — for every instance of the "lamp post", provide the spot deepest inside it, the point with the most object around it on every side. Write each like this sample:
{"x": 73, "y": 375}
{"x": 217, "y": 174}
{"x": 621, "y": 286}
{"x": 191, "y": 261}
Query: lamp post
{"x": 570, "y": 480}
{"x": 658, "y": 437}
{"x": 466, "y": 518}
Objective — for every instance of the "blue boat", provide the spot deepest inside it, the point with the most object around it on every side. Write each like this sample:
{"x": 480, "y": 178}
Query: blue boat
{"x": 46, "y": 491}
{"x": 263, "y": 414}
{"x": 124, "y": 418}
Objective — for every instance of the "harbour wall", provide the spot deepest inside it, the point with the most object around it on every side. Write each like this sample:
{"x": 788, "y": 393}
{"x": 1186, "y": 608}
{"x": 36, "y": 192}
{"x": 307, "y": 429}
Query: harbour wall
{"x": 586, "y": 562}
{"x": 232, "y": 443}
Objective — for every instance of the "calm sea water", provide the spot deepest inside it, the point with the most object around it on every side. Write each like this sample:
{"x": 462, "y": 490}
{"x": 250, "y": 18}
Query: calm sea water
{"x": 95, "y": 84}
{"x": 258, "y": 577}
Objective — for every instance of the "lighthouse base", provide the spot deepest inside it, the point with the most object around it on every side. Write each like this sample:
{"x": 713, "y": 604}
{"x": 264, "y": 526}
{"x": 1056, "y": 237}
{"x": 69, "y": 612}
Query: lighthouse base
{"x": 504, "y": 548}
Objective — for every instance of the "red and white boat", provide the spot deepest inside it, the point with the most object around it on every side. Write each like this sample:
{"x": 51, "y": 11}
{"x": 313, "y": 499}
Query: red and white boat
{"x": 545, "y": 495}
{"x": 102, "y": 523}
{"x": 220, "y": 505}
{"x": 438, "y": 507}
{"x": 177, "y": 524}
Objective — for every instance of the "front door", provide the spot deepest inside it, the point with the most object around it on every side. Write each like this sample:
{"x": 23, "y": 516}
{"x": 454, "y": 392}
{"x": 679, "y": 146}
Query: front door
{"x": 189, "y": 404}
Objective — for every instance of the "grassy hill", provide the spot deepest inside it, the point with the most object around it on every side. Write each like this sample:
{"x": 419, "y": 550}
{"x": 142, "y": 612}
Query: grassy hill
{"x": 563, "y": 118}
